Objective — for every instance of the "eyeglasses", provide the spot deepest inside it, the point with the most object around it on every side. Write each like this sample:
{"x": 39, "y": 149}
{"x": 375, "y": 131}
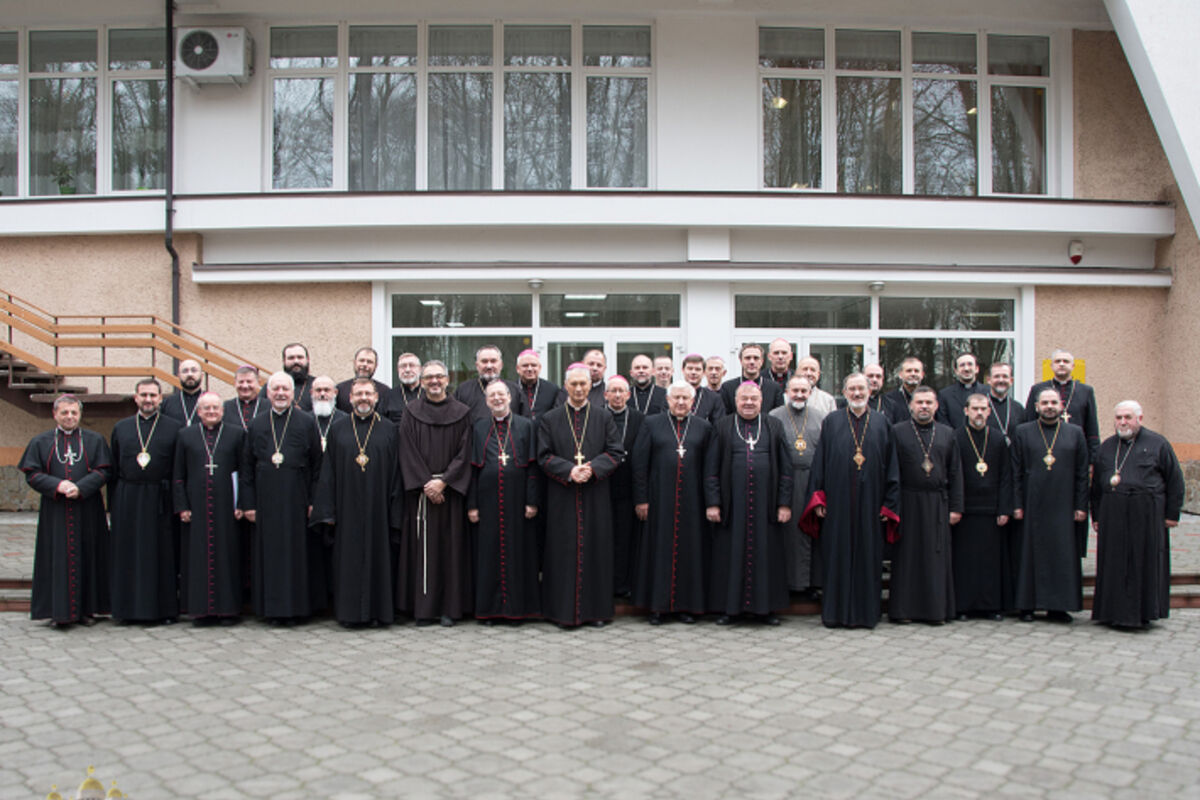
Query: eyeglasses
{"x": 433, "y": 377}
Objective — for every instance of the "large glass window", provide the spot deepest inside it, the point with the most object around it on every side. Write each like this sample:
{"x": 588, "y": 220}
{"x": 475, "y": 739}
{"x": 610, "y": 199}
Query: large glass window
{"x": 460, "y": 107}
{"x": 974, "y": 318}
{"x": 382, "y": 136}
{"x": 136, "y": 59}
{"x": 62, "y": 112}
{"x": 887, "y": 82}
{"x": 592, "y": 310}
{"x": 946, "y": 313}
{"x": 10, "y": 94}
{"x": 939, "y": 353}
{"x": 458, "y": 353}
{"x": 431, "y": 310}
{"x": 302, "y": 63}
{"x": 537, "y": 107}
{"x": 801, "y": 311}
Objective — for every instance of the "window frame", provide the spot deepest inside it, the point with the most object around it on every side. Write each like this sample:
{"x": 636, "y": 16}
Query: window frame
{"x": 498, "y": 70}
{"x": 1056, "y": 87}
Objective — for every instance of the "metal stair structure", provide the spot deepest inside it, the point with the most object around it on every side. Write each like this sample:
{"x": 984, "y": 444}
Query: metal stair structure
{"x": 99, "y": 357}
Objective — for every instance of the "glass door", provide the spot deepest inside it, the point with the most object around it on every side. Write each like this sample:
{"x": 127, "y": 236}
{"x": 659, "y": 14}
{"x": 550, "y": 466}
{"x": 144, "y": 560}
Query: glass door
{"x": 839, "y": 356}
{"x": 619, "y": 349}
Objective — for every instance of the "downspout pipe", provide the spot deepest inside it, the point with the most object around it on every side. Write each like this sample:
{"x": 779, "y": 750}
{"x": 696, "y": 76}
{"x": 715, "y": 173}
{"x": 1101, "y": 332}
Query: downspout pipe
{"x": 169, "y": 222}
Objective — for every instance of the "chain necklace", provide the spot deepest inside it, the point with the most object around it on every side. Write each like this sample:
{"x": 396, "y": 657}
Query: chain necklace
{"x": 649, "y": 398}
{"x": 537, "y": 387}
{"x": 859, "y": 458}
{"x": 211, "y": 466}
{"x": 323, "y": 433}
{"x": 242, "y": 409}
{"x": 980, "y": 465}
{"x": 404, "y": 394}
{"x": 748, "y": 439}
{"x": 361, "y": 459}
{"x": 1118, "y": 462}
{"x": 277, "y": 459}
{"x": 1066, "y": 415}
{"x": 680, "y": 439}
{"x": 926, "y": 463}
{"x": 1049, "y": 458}
{"x": 71, "y": 457}
{"x": 800, "y": 444}
{"x": 624, "y": 420}
{"x": 582, "y": 434}
{"x": 503, "y": 443}
{"x": 143, "y": 458}
{"x": 183, "y": 405}
{"x": 996, "y": 415}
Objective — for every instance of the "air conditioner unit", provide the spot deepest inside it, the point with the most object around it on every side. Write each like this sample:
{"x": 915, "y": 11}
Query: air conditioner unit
{"x": 214, "y": 55}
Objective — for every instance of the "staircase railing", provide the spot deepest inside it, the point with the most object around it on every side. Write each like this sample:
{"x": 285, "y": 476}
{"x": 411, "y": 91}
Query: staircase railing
{"x": 100, "y": 348}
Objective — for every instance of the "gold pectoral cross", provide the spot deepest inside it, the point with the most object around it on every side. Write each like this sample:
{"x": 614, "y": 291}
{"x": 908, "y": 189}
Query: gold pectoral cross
{"x": 503, "y": 458}
{"x": 578, "y": 459}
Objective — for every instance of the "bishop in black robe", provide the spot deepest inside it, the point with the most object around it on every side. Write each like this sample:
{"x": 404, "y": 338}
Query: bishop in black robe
{"x": 855, "y": 497}
{"x": 1047, "y": 497}
{"x": 895, "y": 405}
{"x": 671, "y": 459}
{"x": 342, "y": 401}
{"x": 145, "y": 585}
{"x": 983, "y": 567}
{"x": 752, "y": 487}
{"x": 71, "y": 551}
{"x": 359, "y": 504}
{"x": 433, "y": 578}
{"x": 1079, "y": 408}
{"x": 240, "y": 412}
{"x": 577, "y": 566}
{"x": 398, "y": 401}
{"x": 211, "y": 562}
{"x": 181, "y": 406}
{"x": 952, "y": 400}
{"x": 922, "y": 579}
{"x": 627, "y": 528}
{"x": 502, "y": 495}
{"x": 772, "y": 394}
{"x": 1137, "y": 494}
{"x": 648, "y": 399}
{"x": 473, "y": 393}
{"x": 707, "y": 405}
{"x": 536, "y": 398}
{"x": 282, "y": 463}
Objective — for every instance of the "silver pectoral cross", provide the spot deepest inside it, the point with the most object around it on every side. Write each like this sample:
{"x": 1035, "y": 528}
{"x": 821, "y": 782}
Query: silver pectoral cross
{"x": 72, "y": 457}
{"x": 682, "y": 451}
{"x": 211, "y": 467}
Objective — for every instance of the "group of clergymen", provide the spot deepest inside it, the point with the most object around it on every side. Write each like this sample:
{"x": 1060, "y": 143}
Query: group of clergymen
{"x": 516, "y": 500}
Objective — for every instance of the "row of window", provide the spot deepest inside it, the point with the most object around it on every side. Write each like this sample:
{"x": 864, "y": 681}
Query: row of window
{"x": 604, "y": 310}
{"x": 538, "y": 107}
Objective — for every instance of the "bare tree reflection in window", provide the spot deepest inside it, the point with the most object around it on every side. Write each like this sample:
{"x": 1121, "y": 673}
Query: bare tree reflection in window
{"x": 945, "y": 137}
{"x": 460, "y": 131}
{"x": 383, "y": 126}
{"x": 791, "y": 133}
{"x": 139, "y": 134}
{"x": 9, "y": 94}
{"x": 1018, "y": 139}
{"x": 303, "y": 133}
{"x": 62, "y": 135}
{"x": 537, "y": 131}
{"x": 616, "y": 132}
{"x": 869, "y": 136}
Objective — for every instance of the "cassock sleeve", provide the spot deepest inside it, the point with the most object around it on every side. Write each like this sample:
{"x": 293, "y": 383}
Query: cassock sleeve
{"x": 1005, "y": 496}
{"x": 1172, "y": 474}
{"x": 315, "y": 457}
{"x": 784, "y": 469}
{"x": 33, "y": 465}
{"x": 458, "y": 472}
{"x": 1082, "y": 462}
{"x": 606, "y": 463}
{"x": 115, "y": 449}
{"x": 99, "y": 466}
{"x": 1091, "y": 428}
{"x": 1096, "y": 494}
{"x": 891, "y": 491}
{"x": 324, "y": 493}
{"x": 712, "y": 467}
{"x": 532, "y": 484}
{"x": 1017, "y": 462}
{"x": 180, "y": 475}
{"x": 552, "y": 464}
{"x": 640, "y": 464}
{"x": 247, "y": 497}
{"x": 954, "y": 476}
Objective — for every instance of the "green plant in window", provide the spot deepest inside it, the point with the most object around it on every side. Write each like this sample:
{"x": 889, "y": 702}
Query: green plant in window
{"x": 64, "y": 176}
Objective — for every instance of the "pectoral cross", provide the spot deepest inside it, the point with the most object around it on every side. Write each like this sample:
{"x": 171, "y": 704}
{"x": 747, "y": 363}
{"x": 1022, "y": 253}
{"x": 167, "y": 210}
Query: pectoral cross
{"x": 682, "y": 451}
{"x": 211, "y": 467}
{"x": 578, "y": 458}
{"x": 503, "y": 458}
{"x": 1066, "y": 415}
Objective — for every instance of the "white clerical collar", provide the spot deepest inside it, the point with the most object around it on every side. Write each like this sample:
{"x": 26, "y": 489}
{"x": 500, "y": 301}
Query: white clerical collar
{"x": 501, "y": 419}
{"x": 574, "y": 407}
{"x": 614, "y": 411}
{"x": 148, "y": 417}
{"x": 66, "y": 432}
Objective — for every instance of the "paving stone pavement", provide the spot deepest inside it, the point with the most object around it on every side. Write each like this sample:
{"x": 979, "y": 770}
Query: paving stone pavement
{"x": 973, "y": 709}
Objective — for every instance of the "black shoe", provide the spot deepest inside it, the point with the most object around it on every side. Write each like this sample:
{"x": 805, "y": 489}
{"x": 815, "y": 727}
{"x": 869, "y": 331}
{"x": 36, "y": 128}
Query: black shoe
{"x": 899, "y": 621}
{"x": 961, "y": 617}
{"x": 1058, "y": 616}
{"x": 687, "y": 619}
{"x": 424, "y": 623}
{"x": 562, "y": 626}
{"x": 167, "y": 621}
{"x": 724, "y": 620}
{"x": 655, "y": 619}
{"x": 1026, "y": 616}
{"x": 446, "y": 622}
{"x": 229, "y": 622}
{"x": 770, "y": 619}
{"x": 598, "y": 623}
{"x": 996, "y": 616}
{"x": 486, "y": 622}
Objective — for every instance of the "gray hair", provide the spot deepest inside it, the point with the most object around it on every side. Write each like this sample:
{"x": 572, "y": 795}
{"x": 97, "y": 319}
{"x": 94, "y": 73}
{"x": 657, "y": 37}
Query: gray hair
{"x": 1133, "y": 405}
{"x": 281, "y": 377}
{"x": 68, "y": 399}
{"x": 682, "y": 386}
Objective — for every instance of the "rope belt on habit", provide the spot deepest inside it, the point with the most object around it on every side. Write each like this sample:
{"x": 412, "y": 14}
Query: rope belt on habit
{"x": 423, "y": 535}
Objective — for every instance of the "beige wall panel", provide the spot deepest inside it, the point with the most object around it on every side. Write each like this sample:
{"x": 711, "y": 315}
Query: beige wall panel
{"x": 1112, "y": 330}
{"x": 1118, "y": 155}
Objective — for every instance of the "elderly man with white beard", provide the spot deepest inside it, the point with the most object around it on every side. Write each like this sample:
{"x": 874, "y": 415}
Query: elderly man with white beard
{"x": 802, "y": 431}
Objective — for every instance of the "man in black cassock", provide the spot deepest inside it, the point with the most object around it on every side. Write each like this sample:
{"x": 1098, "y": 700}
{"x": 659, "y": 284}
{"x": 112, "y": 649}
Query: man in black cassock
{"x": 145, "y": 584}
{"x": 748, "y": 501}
{"x": 365, "y": 362}
{"x": 627, "y": 528}
{"x": 67, "y": 467}
{"x": 359, "y": 506}
{"x": 751, "y": 357}
{"x": 502, "y": 503}
{"x": 181, "y": 404}
{"x": 779, "y": 363}
{"x": 931, "y": 494}
{"x": 1137, "y": 494}
{"x": 706, "y": 404}
{"x": 895, "y": 402}
{"x": 295, "y": 363}
{"x": 876, "y": 378}
{"x": 407, "y": 388}
{"x": 802, "y": 430}
{"x": 646, "y": 396}
{"x": 979, "y": 543}
{"x": 952, "y": 399}
{"x": 208, "y": 460}
{"x": 1050, "y": 478}
{"x": 282, "y": 463}
{"x": 488, "y": 365}
{"x": 1006, "y": 414}
{"x": 596, "y": 363}
{"x": 325, "y": 411}
{"x": 433, "y": 577}
{"x": 579, "y": 446}
{"x": 535, "y": 394}
{"x": 853, "y": 486}
{"x": 249, "y": 403}
{"x": 672, "y": 456}
{"x": 1076, "y": 398}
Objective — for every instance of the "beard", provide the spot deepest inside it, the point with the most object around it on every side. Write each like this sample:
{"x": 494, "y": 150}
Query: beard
{"x": 299, "y": 373}
{"x": 797, "y": 405}
{"x": 642, "y": 383}
{"x": 322, "y": 408}
{"x": 1125, "y": 434}
{"x": 977, "y": 425}
{"x": 189, "y": 384}
{"x": 856, "y": 405}
{"x": 1048, "y": 417}
{"x": 362, "y": 409}
{"x": 409, "y": 381}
